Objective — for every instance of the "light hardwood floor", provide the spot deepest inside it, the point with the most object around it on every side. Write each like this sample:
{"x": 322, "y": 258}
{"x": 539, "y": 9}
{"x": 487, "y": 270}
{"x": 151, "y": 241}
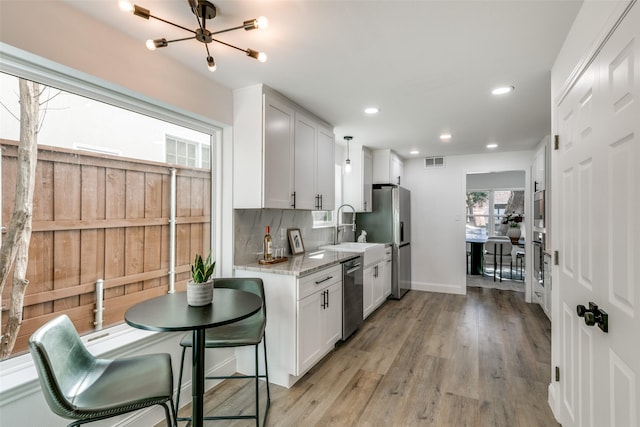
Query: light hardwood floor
{"x": 427, "y": 360}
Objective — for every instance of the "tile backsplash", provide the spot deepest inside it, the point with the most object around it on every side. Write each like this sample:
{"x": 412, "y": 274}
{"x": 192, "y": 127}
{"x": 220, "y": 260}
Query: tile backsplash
{"x": 250, "y": 227}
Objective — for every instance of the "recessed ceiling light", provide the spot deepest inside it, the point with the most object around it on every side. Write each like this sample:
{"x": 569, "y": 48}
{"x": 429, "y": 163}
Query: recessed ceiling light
{"x": 492, "y": 145}
{"x": 414, "y": 152}
{"x": 445, "y": 136}
{"x": 371, "y": 110}
{"x": 502, "y": 90}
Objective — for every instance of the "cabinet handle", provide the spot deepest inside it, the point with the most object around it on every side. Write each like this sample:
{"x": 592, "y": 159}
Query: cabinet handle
{"x": 321, "y": 202}
{"x": 294, "y": 200}
{"x": 365, "y": 205}
{"x": 324, "y": 280}
{"x": 398, "y": 179}
{"x": 327, "y": 293}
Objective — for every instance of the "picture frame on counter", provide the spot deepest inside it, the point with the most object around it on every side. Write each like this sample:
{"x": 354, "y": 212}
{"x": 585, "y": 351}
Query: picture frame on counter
{"x": 295, "y": 240}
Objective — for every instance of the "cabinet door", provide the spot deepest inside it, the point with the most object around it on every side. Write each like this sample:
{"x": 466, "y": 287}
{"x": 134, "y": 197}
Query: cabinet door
{"x": 278, "y": 154}
{"x": 304, "y": 164}
{"x": 310, "y": 333}
{"x": 332, "y": 315}
{"x": 325, "y": 168}
{"x": 367, "y": 180}
{"x": 395, "y": 175}
{"x": 367, "y": 291}
{"x": 378, "y": 285}
{"x": 386, "y": 277}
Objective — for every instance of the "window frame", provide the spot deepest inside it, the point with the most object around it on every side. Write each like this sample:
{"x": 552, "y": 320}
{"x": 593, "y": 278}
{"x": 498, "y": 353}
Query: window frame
{"x": 19, "y": 369}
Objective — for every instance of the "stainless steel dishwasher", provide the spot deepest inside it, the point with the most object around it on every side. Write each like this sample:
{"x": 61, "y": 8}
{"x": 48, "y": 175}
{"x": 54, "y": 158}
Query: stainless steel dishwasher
{"x": 351, "y": 296}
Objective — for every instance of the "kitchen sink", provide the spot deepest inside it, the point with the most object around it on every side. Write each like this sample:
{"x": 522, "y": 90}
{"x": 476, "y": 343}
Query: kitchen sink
{"x": 371, "y": 252}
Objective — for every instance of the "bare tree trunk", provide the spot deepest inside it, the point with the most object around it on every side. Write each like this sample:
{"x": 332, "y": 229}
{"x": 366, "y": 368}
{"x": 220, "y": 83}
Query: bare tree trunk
{"x": 15, "y": 249}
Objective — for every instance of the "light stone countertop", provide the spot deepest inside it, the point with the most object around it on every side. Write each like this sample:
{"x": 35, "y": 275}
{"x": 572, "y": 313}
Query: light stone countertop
{"x": 301, "y": 265}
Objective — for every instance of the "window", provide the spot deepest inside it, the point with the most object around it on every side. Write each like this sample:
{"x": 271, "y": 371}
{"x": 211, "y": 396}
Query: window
{"x": 486, "y": 210}
{"x": 101, "y": 204}
{"x": 180, "y": 151}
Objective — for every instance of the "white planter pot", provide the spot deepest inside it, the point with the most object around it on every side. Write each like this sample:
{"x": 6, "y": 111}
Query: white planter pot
{"x": 199, "y": 294}
{"x": 514, "y": 234}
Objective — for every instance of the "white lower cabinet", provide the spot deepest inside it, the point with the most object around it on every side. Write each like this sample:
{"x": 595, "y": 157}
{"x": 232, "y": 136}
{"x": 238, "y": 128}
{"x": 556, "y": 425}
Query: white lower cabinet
{"x": 376, "y": 285}
{"x": 386, "y": 272}
{"x": 304, "y": 322}
{"x": 319, "y": 325}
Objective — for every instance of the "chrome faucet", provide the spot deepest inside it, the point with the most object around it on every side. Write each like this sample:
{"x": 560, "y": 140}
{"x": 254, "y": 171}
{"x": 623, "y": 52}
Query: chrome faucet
{"x": 353, "y": 222}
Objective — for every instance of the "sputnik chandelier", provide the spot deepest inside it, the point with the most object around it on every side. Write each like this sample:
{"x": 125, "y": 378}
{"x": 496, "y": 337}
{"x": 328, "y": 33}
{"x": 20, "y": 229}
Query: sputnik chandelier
{"x": 203, "y": 11}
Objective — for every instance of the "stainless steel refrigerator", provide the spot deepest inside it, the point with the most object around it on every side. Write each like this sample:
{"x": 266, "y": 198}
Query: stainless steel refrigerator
{"x": 390, "y": 222}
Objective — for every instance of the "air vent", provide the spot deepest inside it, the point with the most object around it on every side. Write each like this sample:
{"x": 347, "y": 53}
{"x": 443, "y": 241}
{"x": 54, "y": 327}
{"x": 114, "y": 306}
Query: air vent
{"x": 434, "y": 162}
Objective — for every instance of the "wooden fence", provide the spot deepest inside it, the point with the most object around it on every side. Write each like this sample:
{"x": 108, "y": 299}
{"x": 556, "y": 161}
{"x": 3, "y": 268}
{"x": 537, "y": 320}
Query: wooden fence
{"x": 103, "y": 217}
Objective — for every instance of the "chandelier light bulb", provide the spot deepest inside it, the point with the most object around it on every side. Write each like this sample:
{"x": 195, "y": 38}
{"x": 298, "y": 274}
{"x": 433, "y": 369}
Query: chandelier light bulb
{"x": 125, "y": 6}
{"x": 262, "y": 57}
{"x": 150, "y": 45}
{"x": 262, "y": 22}
{"x": 211, "y": 64}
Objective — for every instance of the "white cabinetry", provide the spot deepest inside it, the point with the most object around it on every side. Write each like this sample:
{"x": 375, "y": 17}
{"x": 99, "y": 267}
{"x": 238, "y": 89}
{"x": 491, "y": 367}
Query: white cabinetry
{"x": 539, "y": 167}
{"x": 314, "y": 152}
{"x": 358, "y": 185}
{"x": 319, "y": 322}
{"x": 282, "y": 154}
{"x": 387, "y": 167}
{"x": 376, "y": 284}
{"x": 386, "y": 272}
{"x": 304, "y": 322}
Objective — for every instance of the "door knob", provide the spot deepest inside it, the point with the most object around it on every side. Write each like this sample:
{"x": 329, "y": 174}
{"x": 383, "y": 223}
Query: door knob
{"x": 594, "y": 315}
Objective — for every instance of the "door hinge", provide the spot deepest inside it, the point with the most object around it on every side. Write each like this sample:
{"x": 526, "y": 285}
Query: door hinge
{"x": 557, "y": 373}
{"x": 556, "y": 142}
{"x": 556, "y": 258}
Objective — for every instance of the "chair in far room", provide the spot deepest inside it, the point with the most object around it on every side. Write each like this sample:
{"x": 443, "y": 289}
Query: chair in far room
{"x": 78, "y": 386}
{"x": 497, "y": 254}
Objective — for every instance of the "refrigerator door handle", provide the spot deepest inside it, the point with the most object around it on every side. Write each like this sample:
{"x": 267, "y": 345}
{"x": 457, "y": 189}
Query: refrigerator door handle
{"x": 401, "y": 231}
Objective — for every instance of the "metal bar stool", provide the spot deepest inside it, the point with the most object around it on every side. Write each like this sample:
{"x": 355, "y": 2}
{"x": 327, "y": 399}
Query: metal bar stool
{"x": 250, "y": 331}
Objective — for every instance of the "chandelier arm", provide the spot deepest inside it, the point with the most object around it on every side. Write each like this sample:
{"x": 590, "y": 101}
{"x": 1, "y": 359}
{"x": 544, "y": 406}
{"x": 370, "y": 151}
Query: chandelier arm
{"x": 230, "y": 45}
{"x": 180, "y": 40}
{"x": 171, "y": 23}
{"x": 227, "y": 30}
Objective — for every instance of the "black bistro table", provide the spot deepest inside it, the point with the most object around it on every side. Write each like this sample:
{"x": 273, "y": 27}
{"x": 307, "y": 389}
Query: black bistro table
{"x": 477, "y": 249}
{"x": 171, "y": 313}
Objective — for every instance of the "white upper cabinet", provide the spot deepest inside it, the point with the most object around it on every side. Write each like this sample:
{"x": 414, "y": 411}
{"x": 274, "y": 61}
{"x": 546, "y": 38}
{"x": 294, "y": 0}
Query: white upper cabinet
{"x": 387, "y": 167}
{"x": 326, "y": 171}
{"x": 358, "y": 185}
{"x": 314, "y": 165}
{"x": 283, "y": 156}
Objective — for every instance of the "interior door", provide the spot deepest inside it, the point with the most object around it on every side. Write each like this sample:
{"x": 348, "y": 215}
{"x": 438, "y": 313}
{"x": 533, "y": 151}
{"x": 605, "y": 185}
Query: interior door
{"x": 598, "y": 185}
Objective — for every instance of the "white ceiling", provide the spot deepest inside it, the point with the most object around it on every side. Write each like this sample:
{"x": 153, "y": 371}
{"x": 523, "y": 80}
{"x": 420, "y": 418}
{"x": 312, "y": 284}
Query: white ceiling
{"x": 428, "y": 65}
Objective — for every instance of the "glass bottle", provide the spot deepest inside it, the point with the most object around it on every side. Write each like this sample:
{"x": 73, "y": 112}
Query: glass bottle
{"x": 268, "y": 246}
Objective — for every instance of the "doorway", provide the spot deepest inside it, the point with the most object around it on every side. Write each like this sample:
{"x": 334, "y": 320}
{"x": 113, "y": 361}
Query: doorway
{"x": 495, "y": 209}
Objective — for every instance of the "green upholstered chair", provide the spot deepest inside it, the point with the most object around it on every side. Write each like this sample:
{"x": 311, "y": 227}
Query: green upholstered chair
{"x": 246, "y": 332}
{"x": 81, "y": 387}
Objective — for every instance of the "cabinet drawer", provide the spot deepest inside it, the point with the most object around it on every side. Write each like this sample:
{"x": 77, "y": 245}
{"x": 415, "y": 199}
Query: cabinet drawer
{"x": 319, "y": 280}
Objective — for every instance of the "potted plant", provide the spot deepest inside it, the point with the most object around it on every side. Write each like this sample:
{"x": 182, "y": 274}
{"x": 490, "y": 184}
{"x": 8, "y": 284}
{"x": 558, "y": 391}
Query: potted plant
{"x": 200, "y": 287}
{"x": 513, "y": 219}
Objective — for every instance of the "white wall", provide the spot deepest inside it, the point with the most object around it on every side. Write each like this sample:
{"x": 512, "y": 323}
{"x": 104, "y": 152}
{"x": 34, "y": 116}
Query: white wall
{"x": 438, "y": 213}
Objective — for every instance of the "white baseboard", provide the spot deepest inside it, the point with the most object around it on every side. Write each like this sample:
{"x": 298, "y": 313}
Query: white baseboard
{"x": 440, "y": 288}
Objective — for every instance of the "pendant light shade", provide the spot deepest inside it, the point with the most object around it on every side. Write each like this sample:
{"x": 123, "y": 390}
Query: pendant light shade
{"x": 347, "y": 162}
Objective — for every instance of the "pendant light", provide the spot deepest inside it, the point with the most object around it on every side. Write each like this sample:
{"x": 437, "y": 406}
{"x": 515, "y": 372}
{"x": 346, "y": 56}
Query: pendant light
{"x": 347, "y": 163}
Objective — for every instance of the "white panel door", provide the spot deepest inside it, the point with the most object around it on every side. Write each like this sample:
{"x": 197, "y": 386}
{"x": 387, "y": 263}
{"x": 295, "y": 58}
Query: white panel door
{"x": 278, "y": 154}
{"x": 598, "y": 186}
